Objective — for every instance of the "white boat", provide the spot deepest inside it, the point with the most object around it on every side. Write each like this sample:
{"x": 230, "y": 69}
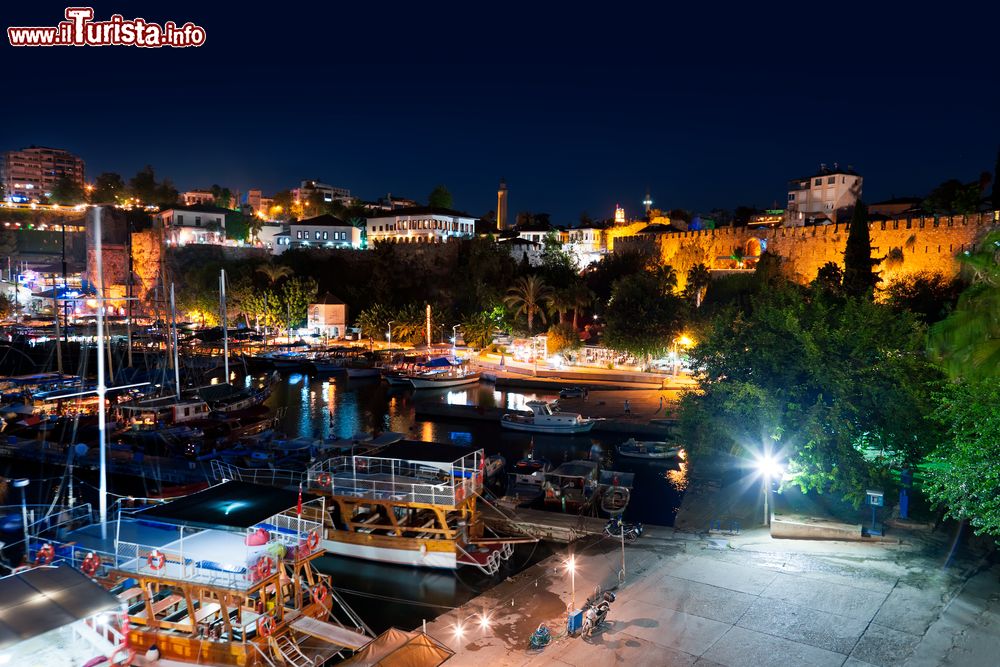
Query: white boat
{"x": 439, "y": 379}
{"x": 545, "y": 418}
{"x": 639, "y": 449}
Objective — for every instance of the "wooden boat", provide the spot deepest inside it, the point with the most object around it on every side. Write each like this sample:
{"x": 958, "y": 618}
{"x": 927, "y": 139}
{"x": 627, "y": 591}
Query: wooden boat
{"x": 440, "y": 379}
{"x": 642, "y": 449}
{"x": 220, "y": 577}
{"x": 572, "y": 486}
{"x": 545, "y": 418}
{"x": 411, "y": 503}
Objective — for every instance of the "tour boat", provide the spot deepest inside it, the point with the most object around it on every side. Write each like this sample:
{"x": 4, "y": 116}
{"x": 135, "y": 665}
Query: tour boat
{"x": 411, "y": 503}
{"x": 223, "y": 576}
{"x": 545, "y": 418}
{"x": 572, "y": 486}
{"x": 639, "y": 449}
{"x": 442, "y": 378}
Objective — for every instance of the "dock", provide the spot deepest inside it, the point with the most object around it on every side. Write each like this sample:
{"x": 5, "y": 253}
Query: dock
{"x": 548, "y": 526}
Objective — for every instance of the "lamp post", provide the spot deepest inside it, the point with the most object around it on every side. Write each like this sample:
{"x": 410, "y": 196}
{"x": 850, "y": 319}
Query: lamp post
{"x": 571, "y": 568}
{"x": 770, "y": 469}
{"x": 454, "y": 339}
{"x": 22, "y": 484}
{"x": 389, "y": 336}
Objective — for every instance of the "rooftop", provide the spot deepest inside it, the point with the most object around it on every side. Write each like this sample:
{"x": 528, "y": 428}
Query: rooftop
{"x": 325, "y": 220}
{"x": 229, "y": 506}
{"x": 422, "y": 210}
{"x": 198, "y": 208}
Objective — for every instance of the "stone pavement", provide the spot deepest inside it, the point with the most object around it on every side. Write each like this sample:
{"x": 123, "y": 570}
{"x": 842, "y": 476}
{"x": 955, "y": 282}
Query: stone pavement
{"x": 748, "y": 600}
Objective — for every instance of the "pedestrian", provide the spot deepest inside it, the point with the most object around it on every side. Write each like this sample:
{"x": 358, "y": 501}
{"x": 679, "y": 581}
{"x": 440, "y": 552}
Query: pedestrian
{"x": 661, "y": 402}
{"x": 628, "y": 407}
{"x": 501, "y": 361}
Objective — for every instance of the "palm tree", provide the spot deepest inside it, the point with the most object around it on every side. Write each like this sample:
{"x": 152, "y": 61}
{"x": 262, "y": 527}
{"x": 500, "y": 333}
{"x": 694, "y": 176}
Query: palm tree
{"x": 528, "y": 297}
{"x": 667, "y": 276}
{"x": 274, "y": 272}
{"x": 967, "y": 342}
{"x": 561, "y": 302}
{"x": 698, "y": 279}
{"x": 582, "y": 298}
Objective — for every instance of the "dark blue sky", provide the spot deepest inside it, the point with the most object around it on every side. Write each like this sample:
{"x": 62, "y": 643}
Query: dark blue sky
{"x": 578, "y": 108}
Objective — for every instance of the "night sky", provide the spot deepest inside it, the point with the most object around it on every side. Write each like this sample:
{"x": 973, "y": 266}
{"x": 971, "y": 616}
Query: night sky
{"x": 577, "y": 108}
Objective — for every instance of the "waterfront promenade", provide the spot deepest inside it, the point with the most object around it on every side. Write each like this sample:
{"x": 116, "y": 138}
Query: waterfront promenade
{"x": 746, "y": 600}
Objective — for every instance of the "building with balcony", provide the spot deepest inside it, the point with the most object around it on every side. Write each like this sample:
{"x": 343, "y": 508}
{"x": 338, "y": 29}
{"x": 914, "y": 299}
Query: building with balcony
{"x": 827, "y": 196}
{"x": 329, "y": 193}
{"x": 29, "y": 174}
{"x": 190, "y": 225}
{"x": 421, "y": 224}
{"x": 197, "y": 198}
{"x": 324, "y": 231}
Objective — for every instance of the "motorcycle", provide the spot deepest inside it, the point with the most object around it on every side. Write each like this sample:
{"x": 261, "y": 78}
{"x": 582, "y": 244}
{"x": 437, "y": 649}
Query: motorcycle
{"x": 615, "y": 526}
{"x": 596, "y": 613}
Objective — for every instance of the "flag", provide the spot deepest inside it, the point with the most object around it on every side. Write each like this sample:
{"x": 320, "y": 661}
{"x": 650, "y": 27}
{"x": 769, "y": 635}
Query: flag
{"x": 298, "y": 508}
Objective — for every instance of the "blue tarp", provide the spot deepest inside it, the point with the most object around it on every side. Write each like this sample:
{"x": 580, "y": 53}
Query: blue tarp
{"x": 440, "y": 362}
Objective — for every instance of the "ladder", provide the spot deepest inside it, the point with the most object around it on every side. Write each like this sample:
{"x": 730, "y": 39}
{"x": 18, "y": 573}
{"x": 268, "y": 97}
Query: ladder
{"x": 287, "y": 652}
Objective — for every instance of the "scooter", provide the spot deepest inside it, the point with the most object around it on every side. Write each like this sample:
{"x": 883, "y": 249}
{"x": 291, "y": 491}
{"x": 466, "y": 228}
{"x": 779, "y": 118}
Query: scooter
{"x": 615, "y": 526}
{"x": 596, "y": 613}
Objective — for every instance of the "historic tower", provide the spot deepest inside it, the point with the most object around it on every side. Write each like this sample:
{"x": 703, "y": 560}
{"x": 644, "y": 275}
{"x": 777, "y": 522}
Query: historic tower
{"x": 502, "y": 206}
{"x": 647, "y": 203}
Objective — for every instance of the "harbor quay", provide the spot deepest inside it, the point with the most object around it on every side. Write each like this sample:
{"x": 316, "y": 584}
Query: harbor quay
{"x": 748, "y": 599}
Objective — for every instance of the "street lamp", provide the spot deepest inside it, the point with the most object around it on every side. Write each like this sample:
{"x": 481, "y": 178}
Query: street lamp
{"x": 22, "y": 484}
{"x": 571, "y": 568}
{"x": 770, "y": 469}
{"x": 389, "y": 335}
{"x": 454, "y": 339}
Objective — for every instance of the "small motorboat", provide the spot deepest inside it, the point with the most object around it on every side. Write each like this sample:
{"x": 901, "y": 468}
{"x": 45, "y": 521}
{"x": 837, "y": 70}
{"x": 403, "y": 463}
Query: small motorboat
{"x": 571, "y": 392}
{"x": 642, "y": 449}
{"x": 546, "y": 418}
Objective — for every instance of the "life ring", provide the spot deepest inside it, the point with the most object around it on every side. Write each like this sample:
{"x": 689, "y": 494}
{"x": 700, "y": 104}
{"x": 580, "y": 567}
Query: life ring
{"x": 324, "y": 479}
{"x": 362, "y": 464}
{"x": 129, "y": 655}
{"x": 265, "y": 625}
{"x": 264, "y": 566}
{"x": 90, "y": 564}
{"x": 459, "y": 494}
{"x": 320, "y": 593}
{"x": 45, "y": 554}
{"x": 156, "y": 560}
{"x": 313, "y": 540}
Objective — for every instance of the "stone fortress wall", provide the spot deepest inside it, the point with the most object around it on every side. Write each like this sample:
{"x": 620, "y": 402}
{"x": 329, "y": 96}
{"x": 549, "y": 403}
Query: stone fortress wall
{"x": 907, "y": 245}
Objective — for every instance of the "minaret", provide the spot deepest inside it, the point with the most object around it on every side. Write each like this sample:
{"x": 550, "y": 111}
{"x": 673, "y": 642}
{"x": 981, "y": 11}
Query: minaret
{"x": 647, "y": 202}
{"x": 502, "y": 206}
{"x": 619, "y": 215}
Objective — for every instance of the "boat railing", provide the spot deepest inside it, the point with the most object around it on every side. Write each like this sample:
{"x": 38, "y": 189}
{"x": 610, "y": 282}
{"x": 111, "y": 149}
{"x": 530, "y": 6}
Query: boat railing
{"x": 170, "y": 562}
{"x": 395, "y": 480}
{"x": 61, "y": 518}
{"x": 264, "y": 476}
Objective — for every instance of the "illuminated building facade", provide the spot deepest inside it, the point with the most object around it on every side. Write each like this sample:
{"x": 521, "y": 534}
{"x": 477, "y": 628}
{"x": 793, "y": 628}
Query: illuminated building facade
{"x": 29, "y": 174}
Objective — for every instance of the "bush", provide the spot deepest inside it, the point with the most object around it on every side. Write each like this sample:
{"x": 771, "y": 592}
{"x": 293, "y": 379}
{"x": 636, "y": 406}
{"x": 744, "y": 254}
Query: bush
{"x": 563, "y": 338}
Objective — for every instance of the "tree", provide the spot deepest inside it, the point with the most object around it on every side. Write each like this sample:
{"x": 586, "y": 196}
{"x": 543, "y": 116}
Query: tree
{"x": 142, "y": 186}
{"x": 698, "y": 279}
{"x": 374, "y": 321}
{"x": 962, "y": 474}
{"x": 6, "y": 307}
{"x": 561, "y": 302}
{"x": 222, "y": 197}
{"x": 582, "y": 297}
{"x": 562, "y": 338}
{"x": 478, "y": 330}
{"x": 859, "y": 277}
{"x": 528, "y": 297}
{"x": 109, "y": 188}
{"x": 283, "y": 202}
{"x": 238, "y": 225}
{"x": 67, "y": 192}
{"x": 967, "y": 343}
{"x": 929, "y": 296}
{"x": 642, "y": 317}
{"x": 274, "y": 272}
{"x": 439, "y": 198}
{"x": 953, "y": 196}
{"x": 165, "y": 193}
{"x": 830, "y": 277}
{"x": 840, "y": 387}
{"x": 296, "y": 294}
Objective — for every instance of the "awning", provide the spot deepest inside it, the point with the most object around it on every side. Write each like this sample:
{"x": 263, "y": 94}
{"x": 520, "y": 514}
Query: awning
{"x": 42, "y": 599}
{"x": 397, "y": 648}
{"x": 229, "y": 506}
{"x": 439, "y": 362}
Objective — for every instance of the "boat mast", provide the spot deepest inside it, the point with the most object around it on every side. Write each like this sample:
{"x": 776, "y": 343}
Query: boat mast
{"x": 101, "y": 388}
{"x": 222, "y": 315}
{"x": 428, "y": 329}
{"x": 177, "y": 359}
{"x": 55, "y": 312}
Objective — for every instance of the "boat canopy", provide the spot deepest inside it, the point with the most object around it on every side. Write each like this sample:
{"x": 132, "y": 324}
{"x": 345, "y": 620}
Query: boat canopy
{"x": 437, "y": 362}
{"x": 43, "y": 599}
{"x": 574, "y": 469}
{"x": 398, "y": 648}
{"x": 232, "y": 505}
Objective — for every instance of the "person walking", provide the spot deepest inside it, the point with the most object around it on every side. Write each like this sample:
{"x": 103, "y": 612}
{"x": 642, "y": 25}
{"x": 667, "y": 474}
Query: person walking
{"x": 628, "y": 407}
{"x": 661, "y": 403}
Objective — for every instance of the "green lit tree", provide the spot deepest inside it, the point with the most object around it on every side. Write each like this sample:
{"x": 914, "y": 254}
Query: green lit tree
{"x": 440, "y": 197}
{"x": 529, "y": 296}
{"x": 67, "y": 192}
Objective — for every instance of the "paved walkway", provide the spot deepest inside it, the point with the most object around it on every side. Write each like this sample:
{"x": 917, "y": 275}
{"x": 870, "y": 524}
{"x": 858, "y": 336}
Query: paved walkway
{"x": 748, "y": 601}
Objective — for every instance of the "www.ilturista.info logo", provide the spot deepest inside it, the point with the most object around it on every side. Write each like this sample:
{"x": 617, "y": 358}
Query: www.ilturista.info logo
{"x": 79, "y": 29}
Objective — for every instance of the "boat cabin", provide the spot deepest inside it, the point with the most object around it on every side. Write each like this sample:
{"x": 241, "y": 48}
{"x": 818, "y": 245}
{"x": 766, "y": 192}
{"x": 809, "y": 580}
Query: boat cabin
{"x": 149, "y": 414}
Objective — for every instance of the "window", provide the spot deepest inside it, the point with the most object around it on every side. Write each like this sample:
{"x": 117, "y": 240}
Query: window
{"x": 326, "y": 236}
{"x": 818, "y": 181}
{"x": 317, "y": 236}
{"x": 197, "y": 221}
{"x": 180, "y": 219}
{"x": 791, "y": 196}
{"x": 831, "y": 180}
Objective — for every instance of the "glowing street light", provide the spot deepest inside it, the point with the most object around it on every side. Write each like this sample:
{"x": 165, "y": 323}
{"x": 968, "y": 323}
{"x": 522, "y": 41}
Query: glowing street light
{"x": 770, "y": 469}
{"x": 389, "y": 336}
{"x": 571, "y": 568}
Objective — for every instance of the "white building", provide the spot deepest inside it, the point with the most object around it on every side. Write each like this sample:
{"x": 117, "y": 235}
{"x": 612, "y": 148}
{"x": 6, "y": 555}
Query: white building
{"x": 274, "y": 237}
{"x": 197, "y": 198}
{"x": 189, "y": 225}
{"x": 323, "y": 231}
{"x": 586, "y": 245}
{"x": 328, "y": 317}
{"x": 330, "y": 193}
{"x": 826, "y": 196}
{"x": 420, "y": 225}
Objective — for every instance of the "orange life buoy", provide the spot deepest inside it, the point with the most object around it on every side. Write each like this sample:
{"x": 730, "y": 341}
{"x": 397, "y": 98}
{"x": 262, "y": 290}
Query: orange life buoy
{"x": 45, "y": 555}
{"x": 313, "y": 540}
{"x": 265, "y": 625}
{"x": 362, "y": 464}
{"x": 264, "y": 566}
{"x": 320, "y": 593}
{"x": 459, "y": 494}
{"x": 156, "y": 560}
{"x": 90, "y": 564}
{"x": 324, "y": 479}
